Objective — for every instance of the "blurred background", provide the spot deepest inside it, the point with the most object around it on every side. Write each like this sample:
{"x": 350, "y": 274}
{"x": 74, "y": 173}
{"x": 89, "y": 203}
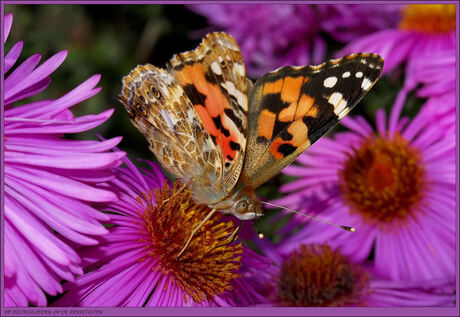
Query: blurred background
{"x": 113, "y": 39}
{"x": 109, "y": 40}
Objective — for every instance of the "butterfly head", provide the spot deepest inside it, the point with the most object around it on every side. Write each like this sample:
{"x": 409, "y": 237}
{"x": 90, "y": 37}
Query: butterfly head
{"x": 244, "y": 205}
{"x": 247, "y": 208}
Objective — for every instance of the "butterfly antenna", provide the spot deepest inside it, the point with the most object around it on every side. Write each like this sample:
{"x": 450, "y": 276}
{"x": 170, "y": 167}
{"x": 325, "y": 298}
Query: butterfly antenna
{"x": 351, "y": 229}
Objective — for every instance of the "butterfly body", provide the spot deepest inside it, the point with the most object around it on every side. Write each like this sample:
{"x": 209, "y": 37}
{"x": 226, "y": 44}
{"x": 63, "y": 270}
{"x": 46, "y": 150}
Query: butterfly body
{"x": 223, "y": 136}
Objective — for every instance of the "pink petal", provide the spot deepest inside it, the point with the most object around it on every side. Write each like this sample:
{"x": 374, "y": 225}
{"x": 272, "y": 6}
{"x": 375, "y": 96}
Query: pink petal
{"x": 22, "y": 70}
{"x": 84, "y": 123}
{"x": 8, "y": 21}
{"x": 355, "y": 126}
{"x": 66, "y": 161}
{"x": 33, "y": 231}
{"x": 37, "y": 75}
{"x": 31, "y": 90}
{"x": 61, "y": 185}
{"x": 13, "y": 55}
{"x": 396, "y": 111}
{"x": 380, "y": 120}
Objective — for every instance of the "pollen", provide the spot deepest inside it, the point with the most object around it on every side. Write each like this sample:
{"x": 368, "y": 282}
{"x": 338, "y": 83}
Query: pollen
{"x": 315, "y": 275}
{"x": 209, "y": 263}
{"x": 383, "y": 180}
{"x": 433, "y": 18}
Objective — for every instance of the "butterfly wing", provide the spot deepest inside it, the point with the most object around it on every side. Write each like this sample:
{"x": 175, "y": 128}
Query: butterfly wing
{"x": 160, "y": 109}
{"x": 293, "y": 107}
{"x": 213, "y": 77}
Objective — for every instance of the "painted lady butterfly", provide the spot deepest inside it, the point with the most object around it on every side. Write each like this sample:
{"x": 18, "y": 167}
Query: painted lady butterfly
{"x": 222, "y": 135}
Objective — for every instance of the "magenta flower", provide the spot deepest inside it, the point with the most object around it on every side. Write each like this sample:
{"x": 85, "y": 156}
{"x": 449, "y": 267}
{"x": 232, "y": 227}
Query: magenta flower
{"x": 396, "y": 186}
{"x": 423, "y": 30}
{"x": 436, "y": 74}
{"x": 136, "y": 264}
{"x": 434, "y": 77}
{"x": 49, "y": 180}
{"x": 272, "y": 36}
{"x": 318, "y": 275}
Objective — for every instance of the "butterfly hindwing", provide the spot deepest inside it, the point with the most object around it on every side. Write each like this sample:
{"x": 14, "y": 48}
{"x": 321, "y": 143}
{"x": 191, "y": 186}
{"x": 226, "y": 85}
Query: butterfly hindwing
{"x": 292, "y": 107}
{"x": 214, "y": 79}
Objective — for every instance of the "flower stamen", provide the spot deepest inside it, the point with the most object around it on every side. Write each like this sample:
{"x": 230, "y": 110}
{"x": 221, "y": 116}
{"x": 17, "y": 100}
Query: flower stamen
{"x": 435, "y": 18}
{"x": 315, "y": 275}
{"x": 383, "y": 179}
{"x": 208, "y": 264}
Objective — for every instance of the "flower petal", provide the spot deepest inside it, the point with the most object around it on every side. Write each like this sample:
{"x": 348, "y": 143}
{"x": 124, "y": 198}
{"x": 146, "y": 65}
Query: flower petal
{"x": 13, "y": 55}
{"x": 8, "y": 21}
{"x": 37, "y": 75}
{"x": 60, "y": 184}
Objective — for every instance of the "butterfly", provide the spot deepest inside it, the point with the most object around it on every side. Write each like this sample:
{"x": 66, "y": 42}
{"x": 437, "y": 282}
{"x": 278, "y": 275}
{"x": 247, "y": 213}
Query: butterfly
{"x": 221, "y": 134}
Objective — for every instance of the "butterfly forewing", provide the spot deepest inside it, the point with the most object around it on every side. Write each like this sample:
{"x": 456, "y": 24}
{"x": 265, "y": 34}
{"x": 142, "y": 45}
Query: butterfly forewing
{"x": 161, "y": 110}
{"x": 293, "y": 107}
{"x": 214, "y": 78}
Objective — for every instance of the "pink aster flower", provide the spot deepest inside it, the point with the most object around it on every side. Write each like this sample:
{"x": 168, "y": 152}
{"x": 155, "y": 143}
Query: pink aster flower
{"x": 137, "y": 264}
{"x": 422, "y": 31}
{"x": 318, "y": 275}
{"x": 49, "y": 181}
{"x": 272, "y": 36}
{"x": 396, "y": 186}
{"x": 434, "y": 77}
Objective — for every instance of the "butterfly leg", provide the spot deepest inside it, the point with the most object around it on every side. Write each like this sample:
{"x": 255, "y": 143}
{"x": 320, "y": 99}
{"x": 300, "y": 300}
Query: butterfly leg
{"x": 195, "y": 230}
{"x": 233, "y": 236}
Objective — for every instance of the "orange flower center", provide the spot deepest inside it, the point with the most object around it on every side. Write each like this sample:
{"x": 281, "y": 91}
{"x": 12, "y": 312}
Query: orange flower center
{"x": 317, "y": 276}
{"x": 208, "y": 264}
{"x": 383, "y": 179}
{"x": 432, "y": 18}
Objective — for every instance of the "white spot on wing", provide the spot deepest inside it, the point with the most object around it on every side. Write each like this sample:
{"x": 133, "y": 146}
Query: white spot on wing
{"x": 335, "y": 100}
{"x": 346, "y": 75}
{"x": 238, "y": 69}
{"x": 343, "y": 113}
{"x": 216, "y": 68}
{"x": 359, "y": 74}
{"x": 330, "y": 82}
{"x": 366, "y": 84}
{"x": 341, "y": 109}
{"x": 240, "y": 97}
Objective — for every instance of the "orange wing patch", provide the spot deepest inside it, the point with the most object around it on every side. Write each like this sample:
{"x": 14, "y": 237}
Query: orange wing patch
{"x": 210, "y": 103}
{"x": 282, "y": 119}
{"x": 273, "y": 87}
{"x": 305, "y": 107}
{"x": 291, "y": 89}
{"x": 299, "y": 137}
{"x": 284, "y": 109}
{"x": 266, "y": 124}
